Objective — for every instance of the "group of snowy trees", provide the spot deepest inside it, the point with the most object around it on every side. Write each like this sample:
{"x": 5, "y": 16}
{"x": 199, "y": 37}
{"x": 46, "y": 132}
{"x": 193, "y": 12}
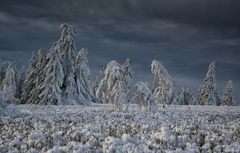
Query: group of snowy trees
{"x": 208, "y": 94}
{"x": 58, "y": 78}
{"x": 62, "y": 77}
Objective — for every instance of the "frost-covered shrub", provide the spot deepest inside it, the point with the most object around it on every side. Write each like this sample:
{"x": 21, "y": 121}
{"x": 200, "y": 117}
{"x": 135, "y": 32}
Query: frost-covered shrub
{"x": 97, "y": 129}
{"x": 36, "y": 139}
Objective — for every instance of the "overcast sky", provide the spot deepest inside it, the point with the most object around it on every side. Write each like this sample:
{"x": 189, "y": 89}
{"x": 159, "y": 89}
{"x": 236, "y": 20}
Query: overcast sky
{"x": 185, "y": 35}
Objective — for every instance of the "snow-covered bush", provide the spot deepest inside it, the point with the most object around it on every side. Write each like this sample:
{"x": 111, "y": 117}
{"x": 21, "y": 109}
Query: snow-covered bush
{"x": 163, "y": 89}
{"x": 207, "y": 94}
{"x": 227, "y": 98}
{"x": 96, "y": 129}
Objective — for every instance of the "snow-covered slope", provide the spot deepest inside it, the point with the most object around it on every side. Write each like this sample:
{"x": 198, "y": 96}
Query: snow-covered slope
{"x": 96, "y": 128}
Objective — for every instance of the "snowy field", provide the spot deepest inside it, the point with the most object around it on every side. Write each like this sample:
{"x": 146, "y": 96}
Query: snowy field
{"x": 80, "y": 129}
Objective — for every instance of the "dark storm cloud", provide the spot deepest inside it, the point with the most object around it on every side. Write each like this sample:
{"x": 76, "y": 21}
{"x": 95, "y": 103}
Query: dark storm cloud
{"x": 184, "y": 35}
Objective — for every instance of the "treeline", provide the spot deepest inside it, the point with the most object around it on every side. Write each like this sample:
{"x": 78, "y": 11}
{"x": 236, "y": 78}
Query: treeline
{"x": 62, "y": 77}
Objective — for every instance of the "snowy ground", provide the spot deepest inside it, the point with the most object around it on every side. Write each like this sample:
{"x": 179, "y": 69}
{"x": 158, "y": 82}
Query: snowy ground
{"x": 57, "y": 129}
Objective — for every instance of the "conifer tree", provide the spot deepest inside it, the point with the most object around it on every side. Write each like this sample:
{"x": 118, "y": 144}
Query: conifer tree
{"x": 185, "y": 97}
{"x": 65, "y": 48}
{"x": 51, "y": 89}
{"x": 40, "y": 76}
{"x": 111, "y": 73}
{"x": 142, "y": 95}
{"x": 3, "y": 70}
{"x": 21, "y": 77}
{"x": 127, "y": 74}
{"x": 127, "y": 77}
{"x": 83, "y": 74}
{"x": 207, "y": 94}
{"x": 10, "y": 85}
{"x": 117, "y": 96}
{"x": 227, "y": 98}
{"x": 29, "y": 83}
{"x": 164, "y": 88}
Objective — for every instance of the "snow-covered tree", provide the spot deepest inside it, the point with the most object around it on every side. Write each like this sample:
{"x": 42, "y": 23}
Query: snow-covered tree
{"x": 111, "y": 87}
{"x": 207, "y": 94}
{"x": 142, "y": 95}
{"x": 51, "y": 89}
{"x": 21, "y": 77}
{"x": 127, "y": 76}
{"x": 10, "y": 85}
{"x": 185, "y": 97}
{"x": 3, "y": 69}
{"x": 40, "y": 76}
{"x": 29, "y": 83}
{"x": 111, "y": 73}
{"x": 117, "y": 96}
{"x": 95, "y": 85}
{"x": 164, "y": 88}
{"x": 83, "y": 78}
{"x": 2, "y": 104}
{"x": 65, "y": 48}
{"x": 227, "y": 98}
